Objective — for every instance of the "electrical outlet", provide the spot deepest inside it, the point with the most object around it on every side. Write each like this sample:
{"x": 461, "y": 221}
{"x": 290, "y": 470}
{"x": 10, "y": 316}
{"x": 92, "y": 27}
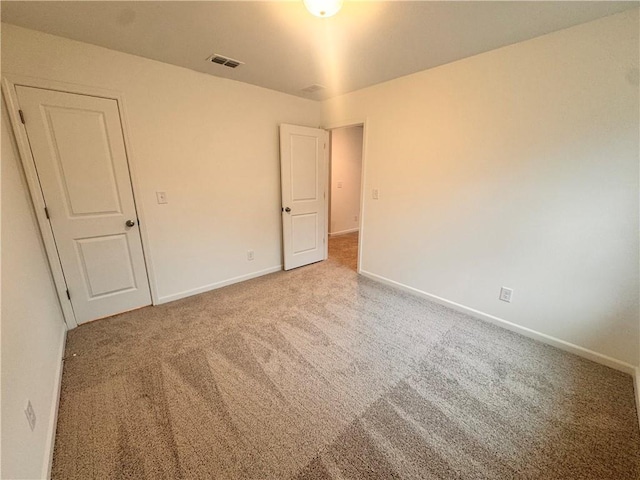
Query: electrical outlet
{"x": 355, "y": 218}
{"x": 162, "y": 197}
{"x": 339, "y": 184}
{"x": 31, "y": 415}
{"x": 506, "y": 294}
{"x": 375, "y": 194}
{"x": 250, "y": 255}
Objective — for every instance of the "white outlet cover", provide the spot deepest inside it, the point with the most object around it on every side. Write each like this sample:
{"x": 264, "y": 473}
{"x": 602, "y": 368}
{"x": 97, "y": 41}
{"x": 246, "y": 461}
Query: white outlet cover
{"x": 375, "y": 194}
{"x": 31, "y": 415}
{"x": 339, "y": 184}
{"x": 162, "y": 197}
{"x": 506, "y": 294}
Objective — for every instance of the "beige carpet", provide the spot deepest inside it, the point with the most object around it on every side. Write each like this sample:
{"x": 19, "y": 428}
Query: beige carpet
{"x": 316, "y": 373}
{"x": 343, "y": 250}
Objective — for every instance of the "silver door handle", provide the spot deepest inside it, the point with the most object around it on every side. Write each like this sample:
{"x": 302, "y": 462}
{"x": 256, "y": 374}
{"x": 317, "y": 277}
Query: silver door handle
{"x": 130, "y": 223}
{"x": 287, "y": 210}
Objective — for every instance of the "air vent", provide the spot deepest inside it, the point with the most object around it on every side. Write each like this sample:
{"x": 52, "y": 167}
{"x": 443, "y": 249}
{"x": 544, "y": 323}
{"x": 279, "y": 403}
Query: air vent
{"x": 313, "y": 88}
{"x": 226, "y": 61}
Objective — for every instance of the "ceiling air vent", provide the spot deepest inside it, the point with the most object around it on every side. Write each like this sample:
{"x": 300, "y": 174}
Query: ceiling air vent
{"x": 226, "y": 61}
{"x": 313, "y": 88}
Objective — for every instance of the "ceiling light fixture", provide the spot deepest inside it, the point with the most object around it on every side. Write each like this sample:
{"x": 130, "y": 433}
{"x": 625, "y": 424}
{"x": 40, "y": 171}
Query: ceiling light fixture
{"x": 323, "y": 8}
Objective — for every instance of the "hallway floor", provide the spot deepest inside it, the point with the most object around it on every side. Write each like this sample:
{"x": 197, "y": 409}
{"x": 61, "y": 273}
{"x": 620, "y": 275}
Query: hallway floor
{"x": 344, "y": 250}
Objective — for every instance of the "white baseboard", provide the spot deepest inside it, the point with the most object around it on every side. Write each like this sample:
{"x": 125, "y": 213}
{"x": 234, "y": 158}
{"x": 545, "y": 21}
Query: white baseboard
{"x": 213, "y": 286}
{"x": 53, "y": 417}
{"x": 527, "y": 332}
{"x": 343, "y": 232}
{"x": 636, "y": 386}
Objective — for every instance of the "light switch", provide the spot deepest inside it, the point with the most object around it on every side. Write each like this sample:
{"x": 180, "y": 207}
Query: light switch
{"x": 162, "y": 197}
{"x": 375, "y": 194}
{"x": 339, "y": 184}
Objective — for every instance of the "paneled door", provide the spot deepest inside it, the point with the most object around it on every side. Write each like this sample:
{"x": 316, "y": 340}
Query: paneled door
{"x": 79, "y": 153}
{"x": 303, "y": 158}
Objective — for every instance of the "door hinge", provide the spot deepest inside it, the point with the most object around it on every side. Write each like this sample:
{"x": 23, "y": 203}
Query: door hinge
{"x": 68, "y": 294}
{"x": 21, "y": 116}
{"x": 46, "y": 212}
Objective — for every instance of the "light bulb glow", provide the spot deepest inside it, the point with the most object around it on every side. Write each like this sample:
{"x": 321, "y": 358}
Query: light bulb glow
{"x": 323, "y": 8}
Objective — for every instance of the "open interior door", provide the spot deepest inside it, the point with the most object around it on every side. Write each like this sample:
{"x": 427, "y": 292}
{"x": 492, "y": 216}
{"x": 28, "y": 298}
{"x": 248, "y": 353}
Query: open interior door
{"x": 303, "y": 159}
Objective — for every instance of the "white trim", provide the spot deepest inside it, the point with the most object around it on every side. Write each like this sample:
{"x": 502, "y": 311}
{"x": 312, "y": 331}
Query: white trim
{"x": 53, "y": 417}
{"x": 20, "y": 136}
{"x": 636, "y": 387}
{"x": 9, "y": 83}
{"x": 327, "y": 192}
{"x": 214, "y": 286}
{"x": 527, "y": 332}
{"x": 343, "y": 232}
{"x": 355, "y": 123}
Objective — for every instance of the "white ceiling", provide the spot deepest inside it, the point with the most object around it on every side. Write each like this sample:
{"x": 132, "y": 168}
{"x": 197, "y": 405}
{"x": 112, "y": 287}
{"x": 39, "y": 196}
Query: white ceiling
{"x": 285, "y": 48}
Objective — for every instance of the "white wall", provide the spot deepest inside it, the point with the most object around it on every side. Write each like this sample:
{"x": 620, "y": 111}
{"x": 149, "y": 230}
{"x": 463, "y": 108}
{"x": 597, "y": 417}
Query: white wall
{"x": 32, "y": 327}
{"x": 518, "y": 168}
{"x": 210, "y": 143}
{"x": 346, "y": 168}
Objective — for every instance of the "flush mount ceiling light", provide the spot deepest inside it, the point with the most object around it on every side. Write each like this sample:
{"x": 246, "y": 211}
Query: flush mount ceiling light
{"x": 323, "y": 8}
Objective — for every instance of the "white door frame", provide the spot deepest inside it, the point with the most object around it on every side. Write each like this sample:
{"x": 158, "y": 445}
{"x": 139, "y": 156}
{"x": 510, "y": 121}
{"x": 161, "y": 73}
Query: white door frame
{"x": 9, "y": 84}
{"x": 353, "y": 123}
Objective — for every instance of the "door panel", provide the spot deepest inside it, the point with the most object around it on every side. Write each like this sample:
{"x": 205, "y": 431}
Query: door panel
{"x": 303, "y": 157}
{"x": 304, "y": 168}
{"x": 80, "y": 156}
{"x": 106, "y": 264}
{"x": 85, "y": 169}
{"x": 304, "y": 232}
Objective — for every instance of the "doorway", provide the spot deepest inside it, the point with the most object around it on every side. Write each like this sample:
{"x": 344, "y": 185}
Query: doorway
{"x": 345, "y": 174}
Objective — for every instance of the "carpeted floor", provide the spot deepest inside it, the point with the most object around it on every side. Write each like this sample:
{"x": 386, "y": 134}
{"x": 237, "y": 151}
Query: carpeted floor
{"x": 343, "y": 249}
{"x": 316, "y": 374}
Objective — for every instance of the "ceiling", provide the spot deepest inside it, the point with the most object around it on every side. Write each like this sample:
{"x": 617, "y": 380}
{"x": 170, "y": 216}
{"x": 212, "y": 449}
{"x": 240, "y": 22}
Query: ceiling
{"x": 286, "y": 49}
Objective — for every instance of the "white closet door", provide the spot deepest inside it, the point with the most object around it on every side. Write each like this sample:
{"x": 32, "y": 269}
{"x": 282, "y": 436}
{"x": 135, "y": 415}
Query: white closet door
{"x": 79, "y": 152}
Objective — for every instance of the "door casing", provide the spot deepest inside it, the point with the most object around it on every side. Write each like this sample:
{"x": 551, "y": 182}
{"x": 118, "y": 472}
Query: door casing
{"x": 9, "y": 84}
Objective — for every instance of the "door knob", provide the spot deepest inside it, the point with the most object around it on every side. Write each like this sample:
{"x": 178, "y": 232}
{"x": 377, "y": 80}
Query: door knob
{"x": 130, "y": 223}
{"x": 287, "y": 210}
